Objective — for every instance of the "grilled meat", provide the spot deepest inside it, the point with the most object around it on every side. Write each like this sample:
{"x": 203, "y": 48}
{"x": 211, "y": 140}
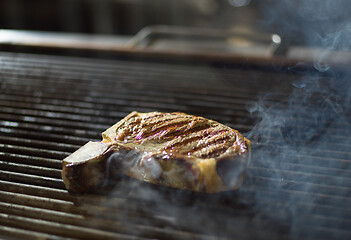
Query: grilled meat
{"x": 171, "y": 149}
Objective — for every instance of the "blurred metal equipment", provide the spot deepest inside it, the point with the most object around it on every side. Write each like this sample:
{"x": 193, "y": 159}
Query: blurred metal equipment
{"x": 154, "y": 38}
{"x": 207, "y": 40}
{"x": 120, "y": 16}
{"x": 239, "y": 3}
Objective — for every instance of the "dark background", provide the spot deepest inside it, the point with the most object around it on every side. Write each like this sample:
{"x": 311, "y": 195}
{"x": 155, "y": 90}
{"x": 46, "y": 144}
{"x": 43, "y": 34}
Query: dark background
{"x": 298, "y": 22}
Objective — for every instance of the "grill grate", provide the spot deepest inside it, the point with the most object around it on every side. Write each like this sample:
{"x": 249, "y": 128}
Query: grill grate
{"x": 49, "y": 106}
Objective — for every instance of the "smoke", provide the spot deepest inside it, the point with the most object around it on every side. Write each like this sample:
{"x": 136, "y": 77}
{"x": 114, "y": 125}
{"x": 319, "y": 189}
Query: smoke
{"x": 304, "y": 140}
{"x": 299, "y": 178}
{"x": 312, "y": 22}
{"x": 162, "y": 213}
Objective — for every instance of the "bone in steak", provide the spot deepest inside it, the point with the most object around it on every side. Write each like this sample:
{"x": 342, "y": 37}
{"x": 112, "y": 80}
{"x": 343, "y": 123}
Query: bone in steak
{"x": 172, "y": 149}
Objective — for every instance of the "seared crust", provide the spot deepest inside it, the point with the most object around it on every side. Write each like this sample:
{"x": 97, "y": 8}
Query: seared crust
{"x": 185, "y": 149}
{"x": 180, "y": 133}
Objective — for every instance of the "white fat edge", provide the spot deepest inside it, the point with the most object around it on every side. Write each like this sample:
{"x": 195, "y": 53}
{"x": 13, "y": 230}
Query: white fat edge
{"x": 91, "y": 151}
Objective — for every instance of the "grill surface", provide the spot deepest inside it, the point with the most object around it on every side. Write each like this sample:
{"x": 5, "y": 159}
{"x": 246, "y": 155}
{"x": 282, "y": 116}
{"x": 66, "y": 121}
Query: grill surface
{"x": 298, "y": 183}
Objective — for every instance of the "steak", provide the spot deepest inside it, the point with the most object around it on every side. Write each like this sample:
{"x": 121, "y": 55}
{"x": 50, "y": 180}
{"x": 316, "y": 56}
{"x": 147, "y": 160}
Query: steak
{"x": 171, "y": 149}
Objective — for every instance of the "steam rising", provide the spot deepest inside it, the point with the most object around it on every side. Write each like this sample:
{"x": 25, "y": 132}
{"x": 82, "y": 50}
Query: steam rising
{"x": 305, "y": 142}
{"x": 299, "y": 178}
{"x": 121, "y": 162}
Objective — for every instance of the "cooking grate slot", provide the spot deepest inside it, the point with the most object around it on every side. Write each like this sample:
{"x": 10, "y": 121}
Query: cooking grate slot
{"x": 52, "y": 105}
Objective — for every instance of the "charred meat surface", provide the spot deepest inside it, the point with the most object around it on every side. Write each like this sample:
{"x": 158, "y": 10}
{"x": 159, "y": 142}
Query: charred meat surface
{"x": 172, "y": 149}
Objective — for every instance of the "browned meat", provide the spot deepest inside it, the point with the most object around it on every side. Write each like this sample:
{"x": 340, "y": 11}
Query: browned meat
{"x": 172, "y": 149}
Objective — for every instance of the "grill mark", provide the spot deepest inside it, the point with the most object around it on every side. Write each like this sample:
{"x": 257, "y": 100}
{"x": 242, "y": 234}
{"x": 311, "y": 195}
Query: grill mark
{"x": 192, "y": 128}
{"x": 217, "y": 152}
{"x": 154, "y": 115}
{"x": 192, "y": 137}
{"x": 120, "y": 136}
{"x": 188, "y": 131}
{"x": 205, "y": 126}
{"x": 214, "y": 140}
{"x": 176, "y": 122}
{"x": 127, "y": 128}
{"x": 147, "y": 125}
{"x": 217, "y": 149}
{"x": 176, "y": 131}
{"x": 132, "y": 122}
{"x": 185, "y": 142}
{"x": 166, "y": 119}
{"x": 161, "y": 117}
{"x": 161, "y": 127}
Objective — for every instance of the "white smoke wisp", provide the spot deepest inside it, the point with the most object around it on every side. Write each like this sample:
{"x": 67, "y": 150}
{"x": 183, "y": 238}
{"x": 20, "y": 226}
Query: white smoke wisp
{"x": 302, "y": 144}
{"x": 304, "y": 141}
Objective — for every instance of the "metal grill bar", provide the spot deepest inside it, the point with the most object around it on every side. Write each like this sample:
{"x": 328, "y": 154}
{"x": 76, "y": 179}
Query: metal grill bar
{"x": 50, "y": 106}
{"x": 74, "y": 105}
{"x": 259, "y": 171}
{"x": 15, "y": 232}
